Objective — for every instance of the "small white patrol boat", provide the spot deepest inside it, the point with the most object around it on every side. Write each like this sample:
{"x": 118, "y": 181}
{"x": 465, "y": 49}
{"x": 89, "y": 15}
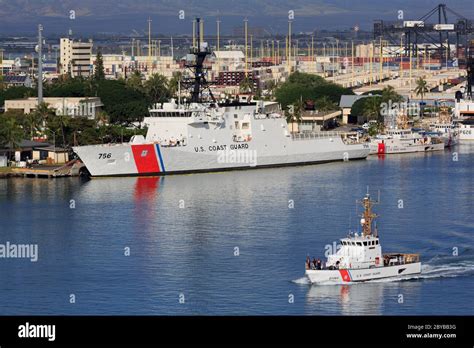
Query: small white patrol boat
{"x": 360, "y": 257}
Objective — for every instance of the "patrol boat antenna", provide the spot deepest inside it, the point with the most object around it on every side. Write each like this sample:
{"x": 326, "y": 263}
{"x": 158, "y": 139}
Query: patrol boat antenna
{"x": 368, "y": 216}
{"x": 198, "y": 82}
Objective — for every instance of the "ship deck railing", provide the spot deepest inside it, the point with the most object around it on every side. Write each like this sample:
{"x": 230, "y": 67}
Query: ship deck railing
{"x": 318, "y": 135}
{"x": 400, "y": 258}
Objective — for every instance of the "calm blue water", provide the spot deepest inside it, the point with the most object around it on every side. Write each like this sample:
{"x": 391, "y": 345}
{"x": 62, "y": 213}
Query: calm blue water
{"x": 190, "y": 250}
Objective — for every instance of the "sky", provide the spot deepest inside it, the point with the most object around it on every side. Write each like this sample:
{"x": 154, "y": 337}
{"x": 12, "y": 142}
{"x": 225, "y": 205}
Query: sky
{"x": 175, "y": 16}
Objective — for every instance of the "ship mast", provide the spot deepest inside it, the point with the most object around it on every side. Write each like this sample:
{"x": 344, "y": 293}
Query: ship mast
{"x": 198, "y": 82}
{"x": 368, "y": 216}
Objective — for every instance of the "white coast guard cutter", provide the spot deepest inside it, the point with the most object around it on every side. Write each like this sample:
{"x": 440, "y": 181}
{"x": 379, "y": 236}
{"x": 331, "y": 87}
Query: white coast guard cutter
{"x": 204, "y": 136}
{"x": 360, "y": 258}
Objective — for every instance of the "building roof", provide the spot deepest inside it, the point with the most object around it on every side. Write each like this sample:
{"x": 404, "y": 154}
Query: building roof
{"x": 229, "y": 54}
{"x": 52, "y": 149}
{"x": 348, "y": 100}
{"x": 28, "y": 144}
{"x": 15, "y": 79}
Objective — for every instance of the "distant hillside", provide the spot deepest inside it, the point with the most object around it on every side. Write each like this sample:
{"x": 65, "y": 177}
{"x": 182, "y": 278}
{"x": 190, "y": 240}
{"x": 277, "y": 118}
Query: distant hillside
{"x": 125, "y": 15}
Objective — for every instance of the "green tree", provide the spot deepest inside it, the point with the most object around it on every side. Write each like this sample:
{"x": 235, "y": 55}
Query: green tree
{"x": 372, "y": 108}
{"x": 43, "y": 111}
{"x": 156, "y": 87}
{"x": 101, "y": 118}
{"x": 421, "y": 89}
{"x": 135, "y": 81}
{"x": 33, "y": 124}
{"x": 99, "y": 72}
{"x": 56, "y": 125}
{"x": 325, "y": 104}
{"x": 15, "y": 93}
{"x": 390, "y": 95}
{"x": 246, "y": 85}
{"x": 11, "y": 134}
{"x": 309, "y": 87}
{"x": 174, "y": 82}
{"x": 122, "y": 104}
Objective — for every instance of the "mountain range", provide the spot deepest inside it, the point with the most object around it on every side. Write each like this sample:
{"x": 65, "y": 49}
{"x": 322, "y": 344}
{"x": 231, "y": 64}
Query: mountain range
{"x": 123, "y": 16}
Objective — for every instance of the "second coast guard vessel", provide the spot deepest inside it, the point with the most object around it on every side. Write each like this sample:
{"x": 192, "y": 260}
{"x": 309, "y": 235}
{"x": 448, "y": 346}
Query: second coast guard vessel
{"x": 360, "y": 257}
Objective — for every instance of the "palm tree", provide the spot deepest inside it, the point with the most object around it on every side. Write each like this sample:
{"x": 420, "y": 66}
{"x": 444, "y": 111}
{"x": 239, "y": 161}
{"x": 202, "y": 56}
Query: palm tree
{"x": 372, "y": 108}
{"x": 135, "y": 81}
{"x": 246, "y": 85}
{"x": 41, "y": 115}
{"x": 325, "y": 104}
{"x": 156, "y": 88}
{"x": 44, "y": 111}
{"x": 173, "y": 84}
{"x": 421, "y": 89}
{"x": 11, "y": 134}
{"x": 33, "y": 122}
{"x": 63, "y": 123}
{"x": 389, "y": 94}
{"x": 271, "y": 87}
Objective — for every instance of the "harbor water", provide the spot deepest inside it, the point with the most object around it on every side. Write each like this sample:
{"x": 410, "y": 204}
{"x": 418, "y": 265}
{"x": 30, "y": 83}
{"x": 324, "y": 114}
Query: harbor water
{"x": 235, "y": 243}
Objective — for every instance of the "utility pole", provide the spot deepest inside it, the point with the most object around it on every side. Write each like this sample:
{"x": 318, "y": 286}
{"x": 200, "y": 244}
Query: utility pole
{"x": 278, "y": 52}
{"x": 1, "y": 61}
{"x": 40, "y": 64}
{"x": 381, "y": 60}
{"x": 149, "y": 41}
{"x": 251, "y": 50}
{"x": 289, "y": 46}
{"x": 218, "y": 44}
{"x": 246, "y": 44}
{"x": 352, "y": 61}
{"x": 194, "y": 34}
{"x": 172, "y": 49}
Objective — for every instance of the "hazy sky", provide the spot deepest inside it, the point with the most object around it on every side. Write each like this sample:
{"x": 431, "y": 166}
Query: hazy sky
{"x": 124, "y": 16}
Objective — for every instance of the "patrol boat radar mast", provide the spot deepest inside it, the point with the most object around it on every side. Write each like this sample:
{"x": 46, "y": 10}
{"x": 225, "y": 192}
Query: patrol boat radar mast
{"x": 368, "y": 216}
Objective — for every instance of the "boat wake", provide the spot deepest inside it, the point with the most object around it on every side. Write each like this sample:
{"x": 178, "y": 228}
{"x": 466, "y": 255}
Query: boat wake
{"x": 302, "y": 281}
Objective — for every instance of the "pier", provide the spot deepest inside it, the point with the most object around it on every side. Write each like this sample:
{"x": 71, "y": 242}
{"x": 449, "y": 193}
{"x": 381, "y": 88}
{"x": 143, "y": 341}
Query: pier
{"x": 71, "y": 168}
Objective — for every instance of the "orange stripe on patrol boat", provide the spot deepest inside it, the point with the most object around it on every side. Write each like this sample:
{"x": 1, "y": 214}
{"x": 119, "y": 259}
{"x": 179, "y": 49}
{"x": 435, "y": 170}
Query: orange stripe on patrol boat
{"x": 345, "y": 275}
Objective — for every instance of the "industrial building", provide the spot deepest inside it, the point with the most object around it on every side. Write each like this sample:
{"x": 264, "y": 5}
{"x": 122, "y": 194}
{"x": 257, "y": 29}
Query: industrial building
{"x": 75, "y": 57}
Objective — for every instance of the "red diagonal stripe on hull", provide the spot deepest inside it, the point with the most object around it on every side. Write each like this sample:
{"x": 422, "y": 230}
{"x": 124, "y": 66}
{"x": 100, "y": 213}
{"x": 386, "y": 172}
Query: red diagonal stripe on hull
{"x": 145, "y": 158}
{"x": 381, "y": 148}
{"x": 345, "y": 275}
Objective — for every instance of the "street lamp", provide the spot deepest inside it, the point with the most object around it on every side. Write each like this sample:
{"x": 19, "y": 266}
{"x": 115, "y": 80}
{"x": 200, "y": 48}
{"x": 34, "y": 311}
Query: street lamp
{"x": 447, "y": 53}
{"x": 54, "y": 146}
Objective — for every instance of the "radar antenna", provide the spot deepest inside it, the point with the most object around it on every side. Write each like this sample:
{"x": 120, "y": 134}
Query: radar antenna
{"x": 368, "y": 216}
{"x": 198, "y": 82}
